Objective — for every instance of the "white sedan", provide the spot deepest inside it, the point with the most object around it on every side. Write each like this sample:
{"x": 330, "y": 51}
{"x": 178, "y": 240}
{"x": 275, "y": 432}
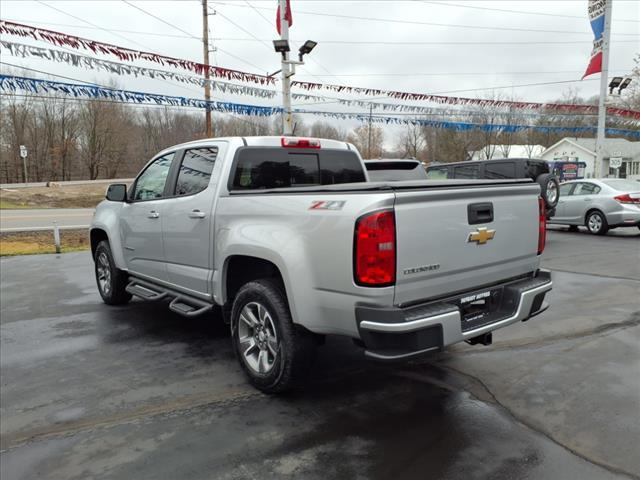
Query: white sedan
{"x": 599, "y": 205}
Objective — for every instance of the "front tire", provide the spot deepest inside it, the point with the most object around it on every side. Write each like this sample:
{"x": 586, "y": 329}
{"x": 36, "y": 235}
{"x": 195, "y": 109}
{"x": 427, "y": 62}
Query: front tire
{"x": 596, "y": 223}
{"x": 274, "y": 353}
{"x": 112, "y": 282}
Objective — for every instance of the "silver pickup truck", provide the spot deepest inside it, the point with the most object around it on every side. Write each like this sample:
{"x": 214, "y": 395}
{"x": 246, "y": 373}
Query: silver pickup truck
{"x": 291, "y": 242}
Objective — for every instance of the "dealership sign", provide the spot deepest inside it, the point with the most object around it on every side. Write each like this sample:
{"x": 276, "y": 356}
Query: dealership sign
{"x": 596, "y": 17}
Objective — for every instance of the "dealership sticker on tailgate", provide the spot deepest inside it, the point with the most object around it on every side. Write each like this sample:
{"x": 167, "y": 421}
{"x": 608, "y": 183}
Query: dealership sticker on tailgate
{"x": 477, "y": 296}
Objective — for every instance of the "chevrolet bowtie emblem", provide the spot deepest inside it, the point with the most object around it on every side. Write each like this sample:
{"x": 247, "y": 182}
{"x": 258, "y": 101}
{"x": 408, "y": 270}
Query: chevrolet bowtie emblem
{"x": 482, "y": 236}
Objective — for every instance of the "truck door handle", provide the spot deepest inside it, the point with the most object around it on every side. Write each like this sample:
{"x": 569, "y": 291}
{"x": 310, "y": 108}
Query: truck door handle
{"x": 197, "y": 214}
{"x": 153, "y": 214}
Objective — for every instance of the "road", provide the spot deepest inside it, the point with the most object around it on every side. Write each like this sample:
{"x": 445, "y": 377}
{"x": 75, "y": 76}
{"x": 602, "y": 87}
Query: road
{"x": 40, "y": 219}
{"x": 91, "y": 391}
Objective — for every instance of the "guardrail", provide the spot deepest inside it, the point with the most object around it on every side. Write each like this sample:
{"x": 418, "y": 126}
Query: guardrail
{"x": 55, "y": 228}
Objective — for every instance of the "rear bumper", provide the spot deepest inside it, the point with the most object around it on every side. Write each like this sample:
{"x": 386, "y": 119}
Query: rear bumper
{"x": 624, "y": 218}
{"x": 401, "y": 333}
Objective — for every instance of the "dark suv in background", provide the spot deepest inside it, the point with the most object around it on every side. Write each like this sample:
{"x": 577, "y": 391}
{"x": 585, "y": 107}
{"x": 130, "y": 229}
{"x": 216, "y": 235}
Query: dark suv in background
{"x": 533, "y": 168}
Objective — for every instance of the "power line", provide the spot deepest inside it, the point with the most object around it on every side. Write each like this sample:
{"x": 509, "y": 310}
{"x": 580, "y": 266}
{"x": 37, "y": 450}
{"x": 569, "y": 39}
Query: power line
{"x": 438, "y": 43}
{"x": 190, "y": 34}
{"x": 453, "y": 74}
{"x": 431, "y": 24}
{"x": 521, "y": 12}
{"x": 323, "y": 41}
{"x": 92, "y": 24}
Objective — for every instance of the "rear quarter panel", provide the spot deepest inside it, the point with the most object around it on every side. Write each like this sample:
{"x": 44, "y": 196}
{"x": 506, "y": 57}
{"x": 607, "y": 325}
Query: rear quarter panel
{"x": 313, "y": 249}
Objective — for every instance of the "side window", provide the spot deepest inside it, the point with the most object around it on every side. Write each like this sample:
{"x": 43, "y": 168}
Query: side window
{"x": 437, "y": 173}
{"x": 498, "y": 170}
{"x": 150, "y": 184}
{"x": 467, "y": 171}
{"x": 565, "y": 189}
{"x": 586, "y": 189}
{"x": 195, "y": 170}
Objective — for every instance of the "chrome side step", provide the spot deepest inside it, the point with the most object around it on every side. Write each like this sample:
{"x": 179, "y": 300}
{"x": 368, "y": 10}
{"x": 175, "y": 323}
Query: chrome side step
{"x": 182, "y": 304}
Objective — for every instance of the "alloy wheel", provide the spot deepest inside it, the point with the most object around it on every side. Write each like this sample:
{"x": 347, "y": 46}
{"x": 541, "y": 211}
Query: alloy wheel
{"x": 104, "y": 273}
{"x": 257, "y": 338}
{"x": 552, "y": 193}
{"x": 595, "y": 222}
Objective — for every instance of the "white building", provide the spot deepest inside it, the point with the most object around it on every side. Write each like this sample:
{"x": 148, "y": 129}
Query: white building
{"x": 583, "y": 150}
{"x": 491, "y": 152}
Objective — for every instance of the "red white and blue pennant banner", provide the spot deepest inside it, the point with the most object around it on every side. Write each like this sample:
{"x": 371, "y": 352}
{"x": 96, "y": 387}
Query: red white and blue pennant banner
{"x": 13, "y": 84}
{"x": 72, "y": 59}
{"x": 597, "y": 18}
{"x": 127, "y": 54}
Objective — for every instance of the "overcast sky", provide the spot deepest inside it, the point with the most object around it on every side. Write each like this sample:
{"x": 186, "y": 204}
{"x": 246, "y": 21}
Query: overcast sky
{"x": 478, "y": 44}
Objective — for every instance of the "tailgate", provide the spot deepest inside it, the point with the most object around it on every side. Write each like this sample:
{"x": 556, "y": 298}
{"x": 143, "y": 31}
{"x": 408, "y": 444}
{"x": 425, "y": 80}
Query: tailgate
{"x": 442, "y": 247}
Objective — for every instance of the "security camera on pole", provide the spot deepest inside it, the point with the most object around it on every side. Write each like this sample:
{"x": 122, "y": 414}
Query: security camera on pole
{"x": 284, "y": 20}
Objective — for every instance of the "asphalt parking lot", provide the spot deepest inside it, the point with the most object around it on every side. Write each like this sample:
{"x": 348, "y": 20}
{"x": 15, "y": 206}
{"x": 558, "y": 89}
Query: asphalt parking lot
{"x": 90, "y": 391}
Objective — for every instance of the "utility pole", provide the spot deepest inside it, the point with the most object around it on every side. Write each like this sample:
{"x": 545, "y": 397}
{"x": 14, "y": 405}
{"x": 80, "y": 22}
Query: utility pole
{"x": 287, "y": 121}
{"x": 602, "y": 107}
{"x": 207, "y": 84}
{"x": 369, "y": 142}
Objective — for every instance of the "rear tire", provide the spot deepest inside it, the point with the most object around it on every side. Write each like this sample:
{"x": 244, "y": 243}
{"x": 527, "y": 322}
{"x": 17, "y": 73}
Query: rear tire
{"x": 274, "y": 353}
{"x": 549, "y": 189}
{"x": 596, "y": 223}
{"x": 112, "y": 281}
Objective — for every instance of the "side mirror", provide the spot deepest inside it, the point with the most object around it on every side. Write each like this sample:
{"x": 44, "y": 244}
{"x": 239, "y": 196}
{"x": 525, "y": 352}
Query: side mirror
{"x": 117, "y": 192}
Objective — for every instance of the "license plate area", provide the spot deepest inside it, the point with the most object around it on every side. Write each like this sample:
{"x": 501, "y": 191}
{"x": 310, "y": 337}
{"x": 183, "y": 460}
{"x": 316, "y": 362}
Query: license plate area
{"x": 481, "y": 308}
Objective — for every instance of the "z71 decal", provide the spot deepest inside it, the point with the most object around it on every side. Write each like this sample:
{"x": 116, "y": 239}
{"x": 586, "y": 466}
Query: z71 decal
{"x": 327, "y": 205}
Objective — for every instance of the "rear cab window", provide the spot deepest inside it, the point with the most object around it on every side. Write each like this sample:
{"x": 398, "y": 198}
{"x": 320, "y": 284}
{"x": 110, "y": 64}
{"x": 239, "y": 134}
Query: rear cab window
{"x": 258, "y": 168}
{"x": 500, "y": 170}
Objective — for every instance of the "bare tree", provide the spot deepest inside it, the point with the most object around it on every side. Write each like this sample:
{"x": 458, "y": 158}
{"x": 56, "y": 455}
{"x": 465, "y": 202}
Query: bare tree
{"x": 326, "y": 130}
{"x": 369, "y": 142}
{"x": 413, "y": 143}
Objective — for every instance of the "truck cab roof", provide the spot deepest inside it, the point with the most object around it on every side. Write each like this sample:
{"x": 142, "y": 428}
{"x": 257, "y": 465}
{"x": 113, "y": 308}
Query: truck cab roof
{"x": 267, "y": 141}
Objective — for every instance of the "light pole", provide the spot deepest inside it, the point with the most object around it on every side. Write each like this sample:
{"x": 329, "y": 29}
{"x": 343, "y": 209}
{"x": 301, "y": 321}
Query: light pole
{"x": 602, "y": 109}
{"x": 288, "y": 66}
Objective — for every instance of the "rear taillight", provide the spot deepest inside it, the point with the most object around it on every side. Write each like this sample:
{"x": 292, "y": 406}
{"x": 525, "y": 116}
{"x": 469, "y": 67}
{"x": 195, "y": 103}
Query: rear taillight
{"x": 289, "y": 142}
{"x": 626, "y": 198}
{"x": 375, "y": 249}
{"x": 542, "y": 225}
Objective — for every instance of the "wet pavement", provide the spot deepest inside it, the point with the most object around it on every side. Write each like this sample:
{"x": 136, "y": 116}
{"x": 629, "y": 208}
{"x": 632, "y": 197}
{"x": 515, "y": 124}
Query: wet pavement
{"x": 90, "y": 391}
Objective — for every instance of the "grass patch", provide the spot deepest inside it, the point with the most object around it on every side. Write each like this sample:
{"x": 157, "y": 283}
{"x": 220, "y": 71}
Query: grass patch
{"x": 63, "y": 196}
{"x": 7, "y": 205}
{"x": 31, "y": 243}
